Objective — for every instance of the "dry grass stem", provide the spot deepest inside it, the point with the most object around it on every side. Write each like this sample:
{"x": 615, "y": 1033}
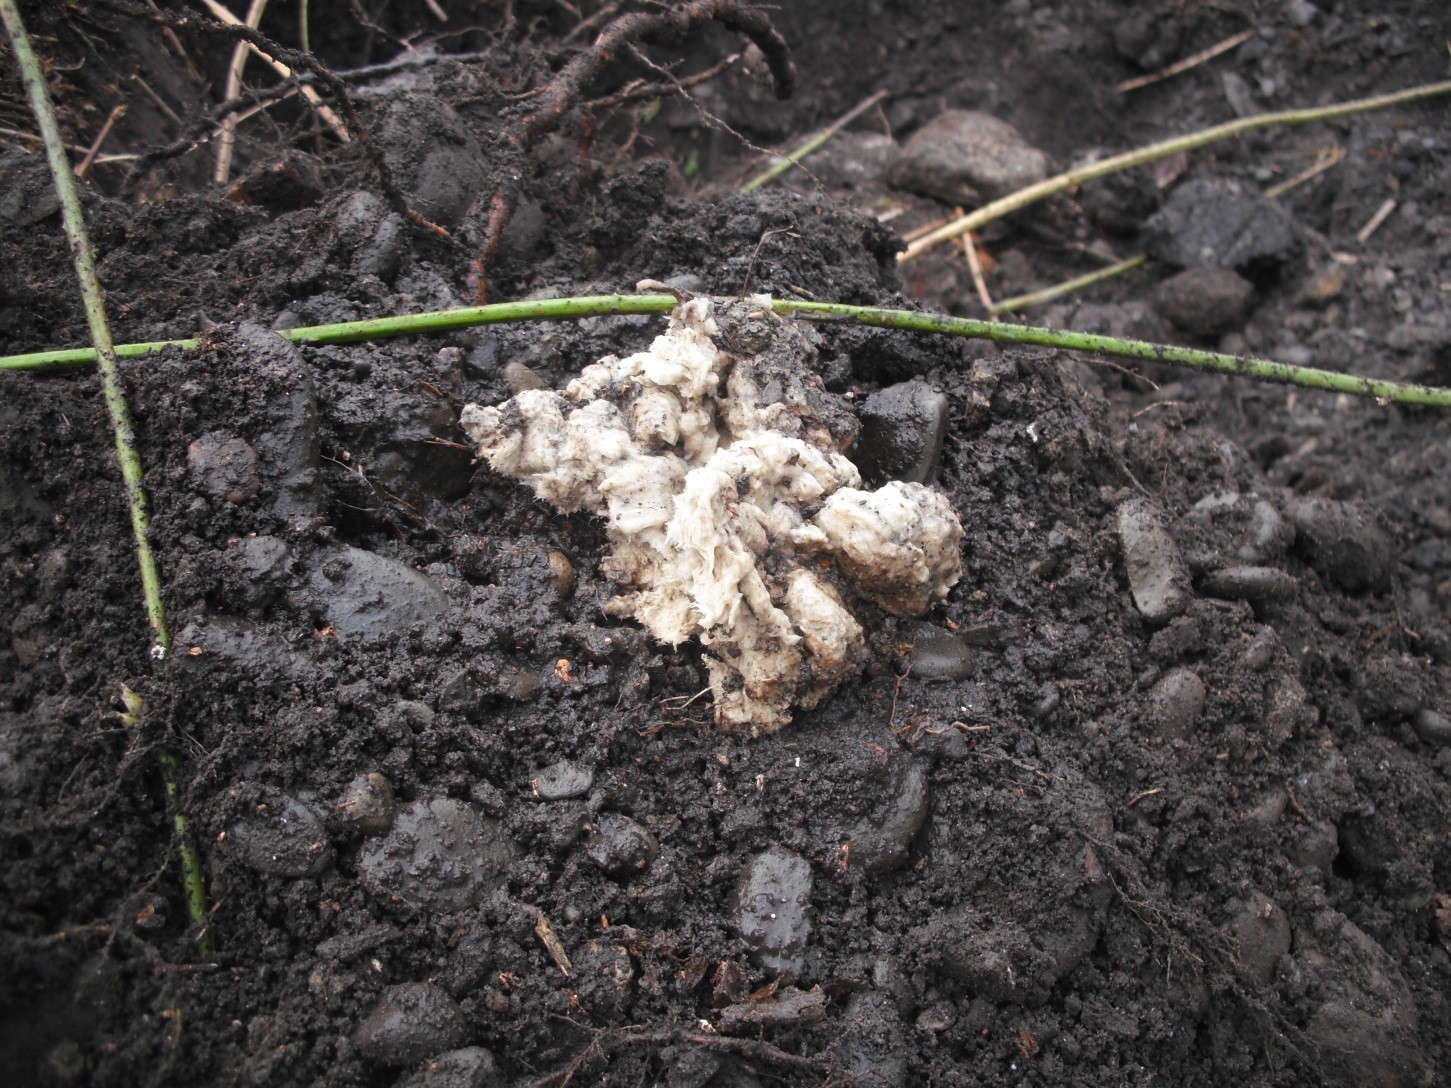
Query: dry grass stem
{"x": 227, "y": 140}
{"x": 329, "y": 116}
{"x": 974, "y": 264}
{"x": 1187, "y": 63}
{"x": 84, "y": 167}
{"x": 1373, "y": 224}
{"x": 1328, "y": 157}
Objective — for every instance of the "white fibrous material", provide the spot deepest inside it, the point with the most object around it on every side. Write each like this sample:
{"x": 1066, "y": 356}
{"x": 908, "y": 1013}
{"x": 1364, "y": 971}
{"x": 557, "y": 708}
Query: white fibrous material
{"x": 732, "y": 512}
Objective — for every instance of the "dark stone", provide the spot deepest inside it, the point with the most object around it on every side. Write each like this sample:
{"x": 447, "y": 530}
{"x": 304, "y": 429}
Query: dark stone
{"x": 1119, "y": 203}
{"x": 772, "y": 900}
{"x": 283, "y": 837}
{"x": 1157, "y": 578}
{"x": 874, "y": 1041}
{"x": 288, "y": 183}
{"x": 1261, "y": 933}
{"x": 469, "y": 1067}
{"x": 367, "y": 805}
{"x": 855, "y": 160}
{"x": 520, "y": 377}
{"x": 1216, "y": 223}
{"x": 1432, "y": 727}
{"x": 224, "y": 466}
{"x": 1148, "y": 36}
{"x": 880, "y": 845}
{"x": 371, "y": 596}
{"x": 941, "y": 655}
{"x": 440, "y": 855}
{"x": 414, "y": 1021}
{"x": 1256, "y": 584}
{"x": 433, "y": 154}
{"x": 27, "y": 193}
{"x": 289, "y": 450}
{"x": 1346, "y": 543}
{"x": 251, "y": 647}
{"x": 964, "y": 157}
{"x": 563, "y": 780}
{"x": 1175, "y": 703}
{"x": 620, "y": 846}
{"x": 902, "y": 431}
{"x": 1205, "y": 301}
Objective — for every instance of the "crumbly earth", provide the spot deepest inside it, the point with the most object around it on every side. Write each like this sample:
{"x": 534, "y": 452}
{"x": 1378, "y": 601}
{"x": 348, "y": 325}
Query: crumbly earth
{"x": 1158, "y": 794}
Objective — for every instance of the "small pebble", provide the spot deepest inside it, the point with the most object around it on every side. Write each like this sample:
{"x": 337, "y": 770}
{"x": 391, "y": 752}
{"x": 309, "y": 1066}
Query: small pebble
{"x": 965, "y": 157}
{"x": 1047, "y": 702}
{"x": 1207, "y": 222}
{"x": 772, "y": 899}
{"x": 1302, "y": 13}
{"x": 370, "y": 595}
{"x": 1261, "y": 650}
{"x": 224, "y": 466}
{"x": 1314, "y": 846}
{"x": 1205, "y": 301}
{"x": 440, "y": 855}
{"x": 284, "y": 837}
{"x": 1256, "y": 584}
{"x": 903, "y": 427}
{"x": 1157, "y": 578}
{"x": 941, "y": 655}
{"x": 620, "y": 846}
{"x": 561, "y": 572}
{"x": 520, "y": 378}
{"x": 414, "y": 1021}
{"x": 562, "y": 781}
{"x": 1284, "y": 708}
{"x": 1432, "y": 727}
{"x": 881, "y": 845}
{"x": 1261, "y": 933}
{"x": 855, "y": 160}
{"x": 1176, "y": 702}
{"x": 367, "y": 805}
{"x": 1345, "y": 542}
{"x": 470, "y": 1067}
{"x": 1181, "y": 638}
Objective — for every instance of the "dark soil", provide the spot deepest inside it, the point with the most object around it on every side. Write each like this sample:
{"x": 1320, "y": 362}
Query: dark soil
{"x": 458, "y": 828}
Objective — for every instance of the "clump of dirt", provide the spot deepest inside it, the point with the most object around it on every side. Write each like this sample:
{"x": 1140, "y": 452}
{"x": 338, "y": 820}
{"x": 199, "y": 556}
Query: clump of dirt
{"x": 1159, "y": 790}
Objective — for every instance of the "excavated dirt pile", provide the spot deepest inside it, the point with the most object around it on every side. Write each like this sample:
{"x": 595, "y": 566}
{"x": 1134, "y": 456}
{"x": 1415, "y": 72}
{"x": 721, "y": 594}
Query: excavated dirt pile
{"x": 1157, "y": 791}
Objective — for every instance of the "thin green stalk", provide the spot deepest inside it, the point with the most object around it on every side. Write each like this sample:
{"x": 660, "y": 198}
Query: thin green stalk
{"x": 553, "y": 309}
{"x": 1242, "y": 366}
{"x": 105, "y": 356}
{"x": 1067, "y": 287}
{"x": 191, "y": 862}
{"x": 1154, "y": 152}
{"x": 815, "y": 143}
{"x": 193, "y": 884}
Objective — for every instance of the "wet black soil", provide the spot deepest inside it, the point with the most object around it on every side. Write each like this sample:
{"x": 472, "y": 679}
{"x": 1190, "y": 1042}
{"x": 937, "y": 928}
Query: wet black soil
{"x": 1160, "y": 794}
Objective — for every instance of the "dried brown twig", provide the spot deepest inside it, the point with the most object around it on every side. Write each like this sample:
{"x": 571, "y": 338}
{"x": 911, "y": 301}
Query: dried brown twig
{"x": 566, "y": 91}
{"x": 296, "y": 60}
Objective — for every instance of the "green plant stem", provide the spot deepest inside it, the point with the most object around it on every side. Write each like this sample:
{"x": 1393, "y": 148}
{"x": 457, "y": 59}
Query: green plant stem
{"x": 104, "y": 352}
{"x": 554, "y": 309}
{"x": 1241, "y": 366}
{"x": 193, "y": 884}
{"x": 813, "y": 144}
{"x": 1067, "y": 287}
{"x": 1154, "y": 152}
{"x": 115, "y": 397}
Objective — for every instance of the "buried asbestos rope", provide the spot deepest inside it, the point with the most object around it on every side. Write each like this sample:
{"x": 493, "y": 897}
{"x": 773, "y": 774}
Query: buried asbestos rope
{"x": 716, "y": 459}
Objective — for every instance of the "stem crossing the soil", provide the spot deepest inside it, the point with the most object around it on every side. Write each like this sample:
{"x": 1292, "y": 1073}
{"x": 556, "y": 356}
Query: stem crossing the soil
{"x": 553, "y": 309}
{"x": 104, "y": 353}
